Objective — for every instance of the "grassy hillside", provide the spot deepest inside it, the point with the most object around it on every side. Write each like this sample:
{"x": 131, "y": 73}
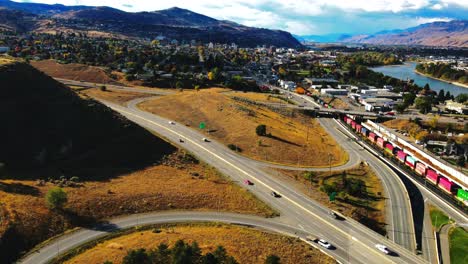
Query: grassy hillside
{"x": 48, "y": 128}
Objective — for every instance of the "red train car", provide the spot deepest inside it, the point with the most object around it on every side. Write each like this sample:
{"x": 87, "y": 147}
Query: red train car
{"x": 358, "y": 127}
{"x": 420, "y": 169}
{"x": 389, "y": 148}
{"x": 401, "y": 156}
{"x": 448, "y": 186}
{"x": 432, "y": 176}
{"x": 381, "y": 142}
{"x": 372, "y": 136}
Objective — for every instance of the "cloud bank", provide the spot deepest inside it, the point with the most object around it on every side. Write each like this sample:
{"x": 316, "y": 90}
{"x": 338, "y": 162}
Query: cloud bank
{"x": 305, "y": 17}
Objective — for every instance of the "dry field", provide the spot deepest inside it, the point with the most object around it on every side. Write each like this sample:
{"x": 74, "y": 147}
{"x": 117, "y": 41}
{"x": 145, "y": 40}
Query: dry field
{"x": 115, "y": 96}
{"x": 73, "y": 71}
{"x": 174, "y": 185}
{"x": 354, "y": 206}
{"x": 259, "y": 97}
{"x": 295, "y": 140}
{"x": 337, "y": 103}
{"x": 246, "y": 245}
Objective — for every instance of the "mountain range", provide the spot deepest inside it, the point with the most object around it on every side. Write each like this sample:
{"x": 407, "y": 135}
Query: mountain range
{"x": 174, "y": 23}
{"x": 450, "y": 34}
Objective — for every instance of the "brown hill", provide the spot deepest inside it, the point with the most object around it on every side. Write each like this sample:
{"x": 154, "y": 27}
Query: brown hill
{"x": 453, "y": 33}
{"x": 49, "y": 131}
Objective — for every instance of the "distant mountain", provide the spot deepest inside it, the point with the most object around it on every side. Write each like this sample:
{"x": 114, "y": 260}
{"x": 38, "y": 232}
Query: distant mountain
{"x": 173, "y": 23}
{"x": 39, "y": 9}
{"x": 453, "y": 33}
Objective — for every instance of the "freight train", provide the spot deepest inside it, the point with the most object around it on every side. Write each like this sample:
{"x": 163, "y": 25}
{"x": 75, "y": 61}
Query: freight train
{"x": 420, "y": 167}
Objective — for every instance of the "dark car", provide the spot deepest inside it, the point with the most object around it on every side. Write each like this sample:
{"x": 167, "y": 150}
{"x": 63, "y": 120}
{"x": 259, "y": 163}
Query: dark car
{"x": 275, "y": 194}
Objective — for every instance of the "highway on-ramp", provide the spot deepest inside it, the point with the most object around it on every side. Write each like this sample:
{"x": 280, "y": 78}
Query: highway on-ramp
{"x": 82, "y": 236}
{"x": 296, "y": 208}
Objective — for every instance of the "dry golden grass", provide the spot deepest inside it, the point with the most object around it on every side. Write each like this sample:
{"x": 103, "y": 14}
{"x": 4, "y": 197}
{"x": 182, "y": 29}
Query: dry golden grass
{"x": 73, "y": 71}
{"x": 246, "y": 245}
{"x": 115, "y": 96}
{"x": 161, "y": 187}
{"x": 337, "y": 103}
{"x": 373, "y": 184}
{"x": 233, "y": 122}
{"x": 259, "y": 97}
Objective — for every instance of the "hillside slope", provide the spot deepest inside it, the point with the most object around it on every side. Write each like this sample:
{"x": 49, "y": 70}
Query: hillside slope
{"x": 453, "y": 33}
{"x": 173, "y": 23}
{"x": 46, "y": 127}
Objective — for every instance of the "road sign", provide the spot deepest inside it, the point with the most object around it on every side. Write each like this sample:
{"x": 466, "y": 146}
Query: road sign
{"x": 202, "y": 125}
{"x": 332, "y": 196}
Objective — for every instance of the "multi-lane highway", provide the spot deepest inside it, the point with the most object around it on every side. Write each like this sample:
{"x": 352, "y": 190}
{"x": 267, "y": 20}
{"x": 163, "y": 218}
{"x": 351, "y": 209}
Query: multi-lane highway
{"x": 296, "y": 208}
{"x": 355, "y": 243}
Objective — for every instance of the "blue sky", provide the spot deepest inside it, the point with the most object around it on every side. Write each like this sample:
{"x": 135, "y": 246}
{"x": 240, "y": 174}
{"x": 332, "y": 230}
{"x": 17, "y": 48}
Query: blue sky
{"x": 305, "y": 17}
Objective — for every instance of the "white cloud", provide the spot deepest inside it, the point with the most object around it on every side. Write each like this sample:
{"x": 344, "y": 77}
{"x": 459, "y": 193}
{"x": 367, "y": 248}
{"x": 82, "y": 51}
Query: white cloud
{"x": 300, "y": 16}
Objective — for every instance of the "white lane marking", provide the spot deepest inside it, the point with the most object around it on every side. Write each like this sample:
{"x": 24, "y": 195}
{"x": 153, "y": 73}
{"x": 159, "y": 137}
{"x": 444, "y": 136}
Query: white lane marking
{"x": 253, "y": 177}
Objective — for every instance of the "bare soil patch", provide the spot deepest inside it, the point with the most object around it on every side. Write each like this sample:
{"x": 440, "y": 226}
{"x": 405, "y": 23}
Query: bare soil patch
{"x": 73, "y": 71}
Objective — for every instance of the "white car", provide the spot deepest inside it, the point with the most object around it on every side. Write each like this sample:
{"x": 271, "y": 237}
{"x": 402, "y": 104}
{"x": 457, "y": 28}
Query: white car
{"x": 382, "y": 248}
{"x": 205, "y": 140}
{"x": 172, "y": 122}
{"x": 324, "y": 243}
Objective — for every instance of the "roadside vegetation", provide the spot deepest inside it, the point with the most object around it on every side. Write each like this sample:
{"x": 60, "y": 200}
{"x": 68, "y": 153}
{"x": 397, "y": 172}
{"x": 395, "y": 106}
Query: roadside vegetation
{"x": 438, "y": 218}
{"x": 458, "y": 240}
{"x": 73, "y": 162}
{"x": 288, "y": 137}
{"x": 245, "y": 245}
{"x": 355, "y": 193}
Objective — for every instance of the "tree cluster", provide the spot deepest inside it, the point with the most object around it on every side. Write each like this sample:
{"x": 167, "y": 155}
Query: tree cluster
{"x": 443, "y": 71}
{"x": 180, "y": 253}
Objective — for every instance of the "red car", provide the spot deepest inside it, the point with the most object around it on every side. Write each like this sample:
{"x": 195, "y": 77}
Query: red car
{"x": 248, "y": 182}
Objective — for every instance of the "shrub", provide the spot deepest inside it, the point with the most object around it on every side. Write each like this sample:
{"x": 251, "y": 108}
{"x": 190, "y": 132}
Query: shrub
{"x": 234, "y": 148}
{"x": 56, "y": 198}
{"x": 103, "y": 88}
{"x": 261, "y": 130}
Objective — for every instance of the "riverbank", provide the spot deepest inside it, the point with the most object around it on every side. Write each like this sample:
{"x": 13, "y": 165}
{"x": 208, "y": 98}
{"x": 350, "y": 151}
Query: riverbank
{"x": 442, "y": 80}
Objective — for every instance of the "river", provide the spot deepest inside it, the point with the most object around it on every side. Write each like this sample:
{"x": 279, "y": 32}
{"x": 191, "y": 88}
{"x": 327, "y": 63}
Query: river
{"x": 406, "y": 71}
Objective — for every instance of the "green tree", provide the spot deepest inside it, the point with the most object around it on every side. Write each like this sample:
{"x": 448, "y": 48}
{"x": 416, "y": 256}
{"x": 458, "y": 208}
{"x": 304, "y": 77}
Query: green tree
{"x": 56, "y": 198}
{"x": 441, "y": 96}
{"x": 461, "y": 161}
{"x": 272, "y": 259}
{"x": 423, "y": 104}
{"x": 161, "y": 255}
{"x": 179, "y": 85}
{"x": 401, "y": 108}
{"x": 462, "y": 98}
{"x": 261, "y": 130}
{"x": 409, "y": 98}
{"x": 137, "y": 256}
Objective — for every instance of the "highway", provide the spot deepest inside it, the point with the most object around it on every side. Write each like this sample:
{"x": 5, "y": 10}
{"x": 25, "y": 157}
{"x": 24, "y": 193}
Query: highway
{"x": 77, "y": 238}
{"x": 295, "y": 208}
{"x": 355, "y": 242}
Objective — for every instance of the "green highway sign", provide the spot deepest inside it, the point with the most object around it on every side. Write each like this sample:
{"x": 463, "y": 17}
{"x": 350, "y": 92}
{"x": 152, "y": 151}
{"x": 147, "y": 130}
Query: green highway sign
{"x": 202, "y": 125}
{"x": 332, "y": 196}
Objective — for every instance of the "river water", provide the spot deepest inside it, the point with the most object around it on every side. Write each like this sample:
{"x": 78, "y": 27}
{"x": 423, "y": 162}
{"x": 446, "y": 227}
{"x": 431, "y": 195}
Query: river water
{"x": 406, "y": 71}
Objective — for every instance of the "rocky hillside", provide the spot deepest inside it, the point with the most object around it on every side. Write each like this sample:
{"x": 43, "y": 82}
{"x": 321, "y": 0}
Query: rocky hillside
{"x": 453, "y": 33}
{"x": 173, "y": 23}
{"x": 48, "y": 130}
